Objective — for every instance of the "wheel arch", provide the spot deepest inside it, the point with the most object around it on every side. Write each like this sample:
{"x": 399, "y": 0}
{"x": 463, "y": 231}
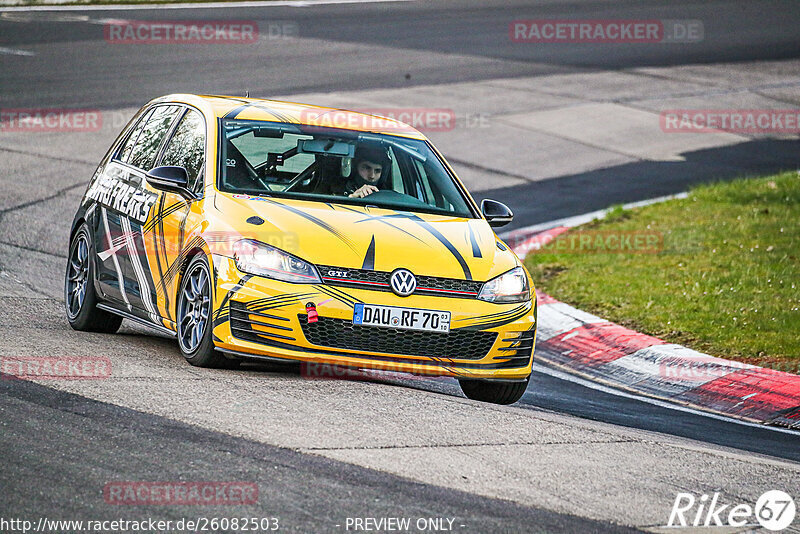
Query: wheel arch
{"x": 195, "y": 248}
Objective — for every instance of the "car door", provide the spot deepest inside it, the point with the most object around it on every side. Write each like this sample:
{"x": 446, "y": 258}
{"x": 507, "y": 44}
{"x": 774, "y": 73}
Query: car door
{"x": 174, "y": 215}
{"x": 125, "y": 202}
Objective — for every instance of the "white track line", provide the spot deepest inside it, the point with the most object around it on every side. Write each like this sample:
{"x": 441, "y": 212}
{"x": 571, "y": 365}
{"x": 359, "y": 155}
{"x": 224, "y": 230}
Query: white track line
{"x": 15, "y": 52}
{"x": 197, "y": 5}
{"x": 561, "y": 375}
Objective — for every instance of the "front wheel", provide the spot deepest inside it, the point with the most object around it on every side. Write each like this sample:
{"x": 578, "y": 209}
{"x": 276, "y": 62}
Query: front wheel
{"x": 494, "y": 392}
{"x": 194, "y": 314}
{"x": 80, "y": 298}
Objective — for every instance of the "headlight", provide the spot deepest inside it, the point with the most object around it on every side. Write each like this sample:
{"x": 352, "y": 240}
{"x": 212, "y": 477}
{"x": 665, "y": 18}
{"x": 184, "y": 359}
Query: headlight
{"x": 263, "y": 260}
{"x": 506, "y": 288}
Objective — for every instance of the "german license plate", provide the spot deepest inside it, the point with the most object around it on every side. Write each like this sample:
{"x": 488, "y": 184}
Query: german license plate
{"x": 406, "y": 318}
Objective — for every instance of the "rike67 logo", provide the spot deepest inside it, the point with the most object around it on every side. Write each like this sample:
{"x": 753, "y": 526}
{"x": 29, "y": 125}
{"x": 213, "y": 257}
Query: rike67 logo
{"x": 774, "y": 510}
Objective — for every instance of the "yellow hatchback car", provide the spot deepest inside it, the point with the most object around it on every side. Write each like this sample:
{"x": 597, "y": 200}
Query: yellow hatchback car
{"x": 257, "y": 229}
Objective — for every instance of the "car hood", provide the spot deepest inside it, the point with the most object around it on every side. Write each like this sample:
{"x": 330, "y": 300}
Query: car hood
{"x": 361, "y": 237}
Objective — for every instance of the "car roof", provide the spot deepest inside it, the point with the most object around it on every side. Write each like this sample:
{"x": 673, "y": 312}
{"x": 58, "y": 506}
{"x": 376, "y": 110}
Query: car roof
{"x": 234, "y": 107}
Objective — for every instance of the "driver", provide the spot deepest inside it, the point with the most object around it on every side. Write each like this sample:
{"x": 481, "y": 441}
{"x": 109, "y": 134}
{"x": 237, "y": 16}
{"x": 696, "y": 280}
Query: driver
{"x": 367, "y": 174}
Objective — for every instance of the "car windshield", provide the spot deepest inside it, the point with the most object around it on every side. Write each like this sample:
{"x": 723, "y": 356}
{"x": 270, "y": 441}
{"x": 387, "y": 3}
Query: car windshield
{"x": 334, "y": 165}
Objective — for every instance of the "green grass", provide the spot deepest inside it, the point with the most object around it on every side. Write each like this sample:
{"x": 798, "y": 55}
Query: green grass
{"x": 726, "y": 280}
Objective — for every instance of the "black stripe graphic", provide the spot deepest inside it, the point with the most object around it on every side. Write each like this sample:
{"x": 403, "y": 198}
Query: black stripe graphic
{"x": 165, "y": 213}
{"x": 342, "y": 297}
{"x": 319, "y": 222}
{"x": 382, "y": 219}
{"x": 434, "y": 232}
{"x": 493, "y": 324}
{"x": 498, "y": 315}
{"x": 275, "y": 298}
{"x": 286, "y": 300}
{"x": 369, "y": 258}
{"x": 161, "y": 283}
{"x": 175, "y": 268}
{"x": 476, "y": 250}
{"x": 239, "y": 285}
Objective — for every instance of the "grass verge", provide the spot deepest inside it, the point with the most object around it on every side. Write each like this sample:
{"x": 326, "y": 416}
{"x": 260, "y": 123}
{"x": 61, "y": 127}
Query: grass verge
{"x": 718, "y": 271}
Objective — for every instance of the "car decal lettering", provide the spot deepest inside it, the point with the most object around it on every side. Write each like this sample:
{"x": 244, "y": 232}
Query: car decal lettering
{"x": 112, "y": 191}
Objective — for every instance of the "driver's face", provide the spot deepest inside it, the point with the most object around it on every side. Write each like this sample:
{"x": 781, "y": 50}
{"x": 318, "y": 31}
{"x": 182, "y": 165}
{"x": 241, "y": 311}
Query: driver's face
{"x": 369, "y": 172}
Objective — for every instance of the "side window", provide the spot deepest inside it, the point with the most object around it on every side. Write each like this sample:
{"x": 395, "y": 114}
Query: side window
{"x": 144, "y": 152}
{"x": 186, "y": 148}
{"x": 127, "y": 148}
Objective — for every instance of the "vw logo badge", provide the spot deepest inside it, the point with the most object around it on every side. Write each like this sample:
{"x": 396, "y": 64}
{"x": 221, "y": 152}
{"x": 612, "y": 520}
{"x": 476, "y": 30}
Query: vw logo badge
{"x": 403, "y": 282}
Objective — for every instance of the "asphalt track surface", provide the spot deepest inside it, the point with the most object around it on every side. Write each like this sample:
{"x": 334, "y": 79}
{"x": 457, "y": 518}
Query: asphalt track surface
{"x": 55, "y": 434}
{"x": 416, "y": 43}
{"x": 307, "y": 493}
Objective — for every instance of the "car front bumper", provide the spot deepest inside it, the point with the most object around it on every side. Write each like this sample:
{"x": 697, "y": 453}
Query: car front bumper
{"x": 263, "y": 318}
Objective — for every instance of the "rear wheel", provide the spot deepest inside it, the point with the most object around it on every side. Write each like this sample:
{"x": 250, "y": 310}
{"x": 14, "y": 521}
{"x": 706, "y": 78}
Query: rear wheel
{"x": 494, "y": 392}
{"x": 194, "y": 313}
{"x": 80, "y": 298}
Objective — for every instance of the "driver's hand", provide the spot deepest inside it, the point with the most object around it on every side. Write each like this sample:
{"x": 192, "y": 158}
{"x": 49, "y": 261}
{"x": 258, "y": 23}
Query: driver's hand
{"x": 363, "y": 191}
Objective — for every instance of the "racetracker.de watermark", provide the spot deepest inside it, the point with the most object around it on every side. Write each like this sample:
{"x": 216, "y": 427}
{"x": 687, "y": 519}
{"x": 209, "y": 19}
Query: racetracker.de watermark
{"x": 607, "y": 31}
{"x": 180, "y": 493}
{"x": 705, "y": 368}
{"x": 602, "y": 242}
{"x": 55, "y": 367}
{"x": 50, "y": 120}
{"x": 747, "y": 121}
{"x": 391, "y": 119}
{"x": 196, "y": 31}
{"x": 326, "y": 371}
{"x": 127, "y": 244}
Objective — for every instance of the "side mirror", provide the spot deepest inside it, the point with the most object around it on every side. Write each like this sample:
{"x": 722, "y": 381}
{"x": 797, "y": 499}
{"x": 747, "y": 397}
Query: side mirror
{"x": 172, "y": 179}
{"x": 496, "y": 213}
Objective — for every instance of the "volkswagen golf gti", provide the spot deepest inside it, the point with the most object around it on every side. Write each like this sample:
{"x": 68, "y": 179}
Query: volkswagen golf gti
{"x": 255, "y": 229}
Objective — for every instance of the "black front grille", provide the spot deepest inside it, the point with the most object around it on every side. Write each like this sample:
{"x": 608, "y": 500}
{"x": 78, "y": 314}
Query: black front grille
{"x": 255, "y": 326}
{"x": 516, "y": 349}
{"x": 343, "y": 334}
{"x": 379, "y": 281}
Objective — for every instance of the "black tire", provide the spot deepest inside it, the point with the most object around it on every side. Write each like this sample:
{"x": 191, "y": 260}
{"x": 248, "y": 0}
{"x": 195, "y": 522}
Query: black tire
{"x": 194, "y": 318}
{"x": 494, "y": 392}
{"x": 80, "y": 299}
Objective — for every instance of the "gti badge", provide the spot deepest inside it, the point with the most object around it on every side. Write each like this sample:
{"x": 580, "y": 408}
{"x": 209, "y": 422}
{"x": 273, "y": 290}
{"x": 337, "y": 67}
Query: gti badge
{"x": 403, "y": 282}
